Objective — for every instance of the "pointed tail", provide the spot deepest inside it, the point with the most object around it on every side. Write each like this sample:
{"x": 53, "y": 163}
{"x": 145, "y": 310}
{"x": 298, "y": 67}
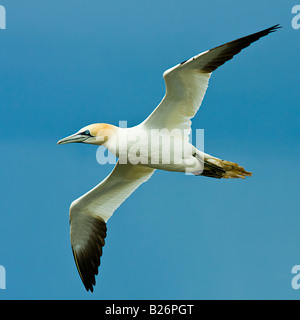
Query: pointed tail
{"x": 217, "y": 168}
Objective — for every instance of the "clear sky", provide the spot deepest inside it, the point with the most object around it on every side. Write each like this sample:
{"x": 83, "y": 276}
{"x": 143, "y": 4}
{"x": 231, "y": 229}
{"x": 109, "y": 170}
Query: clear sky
{"x": 66, "y": 64}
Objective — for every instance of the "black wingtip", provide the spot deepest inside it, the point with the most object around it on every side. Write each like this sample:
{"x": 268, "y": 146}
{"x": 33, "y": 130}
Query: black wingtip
{"x": 274, "y": 28}
{"x": 87, "y": 257}
{"x": 267, "y": 31}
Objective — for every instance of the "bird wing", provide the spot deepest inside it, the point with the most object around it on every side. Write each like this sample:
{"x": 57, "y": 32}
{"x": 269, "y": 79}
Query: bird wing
{"x": 186, "y": 84}
{"x": 90, "y": 212}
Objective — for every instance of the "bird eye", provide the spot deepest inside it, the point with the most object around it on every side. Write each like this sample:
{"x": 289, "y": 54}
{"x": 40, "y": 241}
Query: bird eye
{"x": 86, "y": 132}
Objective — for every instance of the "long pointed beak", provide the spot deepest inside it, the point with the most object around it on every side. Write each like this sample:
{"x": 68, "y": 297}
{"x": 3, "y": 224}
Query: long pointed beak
{"x": 77, "y": 137}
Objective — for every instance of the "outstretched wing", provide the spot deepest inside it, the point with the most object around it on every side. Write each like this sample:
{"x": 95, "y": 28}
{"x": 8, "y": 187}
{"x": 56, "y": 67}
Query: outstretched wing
{"x": 89, "y": 214}
{"x": 186, "y": 83}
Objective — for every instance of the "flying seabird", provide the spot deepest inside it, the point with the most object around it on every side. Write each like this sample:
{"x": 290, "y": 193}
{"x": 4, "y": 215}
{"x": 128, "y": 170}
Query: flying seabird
{"x": 139, "y": 156}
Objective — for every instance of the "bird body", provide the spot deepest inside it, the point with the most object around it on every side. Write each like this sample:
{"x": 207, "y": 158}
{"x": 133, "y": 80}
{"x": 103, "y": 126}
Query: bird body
{"x": 160, "y": 142}
{"x": 140, "y": 145}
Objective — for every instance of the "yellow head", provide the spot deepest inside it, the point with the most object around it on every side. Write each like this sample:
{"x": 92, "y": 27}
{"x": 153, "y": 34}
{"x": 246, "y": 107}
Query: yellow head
{"x": 96, "y": 133}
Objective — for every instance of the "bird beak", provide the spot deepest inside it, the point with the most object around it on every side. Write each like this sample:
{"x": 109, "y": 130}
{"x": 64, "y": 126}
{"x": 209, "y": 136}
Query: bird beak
{"x": 77, "y": 137}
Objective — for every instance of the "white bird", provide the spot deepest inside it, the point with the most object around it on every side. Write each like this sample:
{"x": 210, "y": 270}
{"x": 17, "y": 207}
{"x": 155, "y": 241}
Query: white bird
{"x": 141, "y": 151}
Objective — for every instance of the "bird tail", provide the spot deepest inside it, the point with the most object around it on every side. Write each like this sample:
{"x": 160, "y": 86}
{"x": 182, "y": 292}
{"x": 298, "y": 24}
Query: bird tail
{"x": 217, "y": 168}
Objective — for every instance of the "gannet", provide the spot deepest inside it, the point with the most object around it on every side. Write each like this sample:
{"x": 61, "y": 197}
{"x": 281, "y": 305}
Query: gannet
{"x": 186, "y": 84}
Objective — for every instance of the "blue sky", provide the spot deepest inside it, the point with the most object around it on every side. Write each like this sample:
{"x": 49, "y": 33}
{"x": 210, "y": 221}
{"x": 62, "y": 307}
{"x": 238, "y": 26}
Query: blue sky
{"x": 66, "y": 64}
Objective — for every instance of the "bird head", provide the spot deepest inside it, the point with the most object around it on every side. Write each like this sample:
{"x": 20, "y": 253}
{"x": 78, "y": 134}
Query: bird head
{"x": 96, "y": 133}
